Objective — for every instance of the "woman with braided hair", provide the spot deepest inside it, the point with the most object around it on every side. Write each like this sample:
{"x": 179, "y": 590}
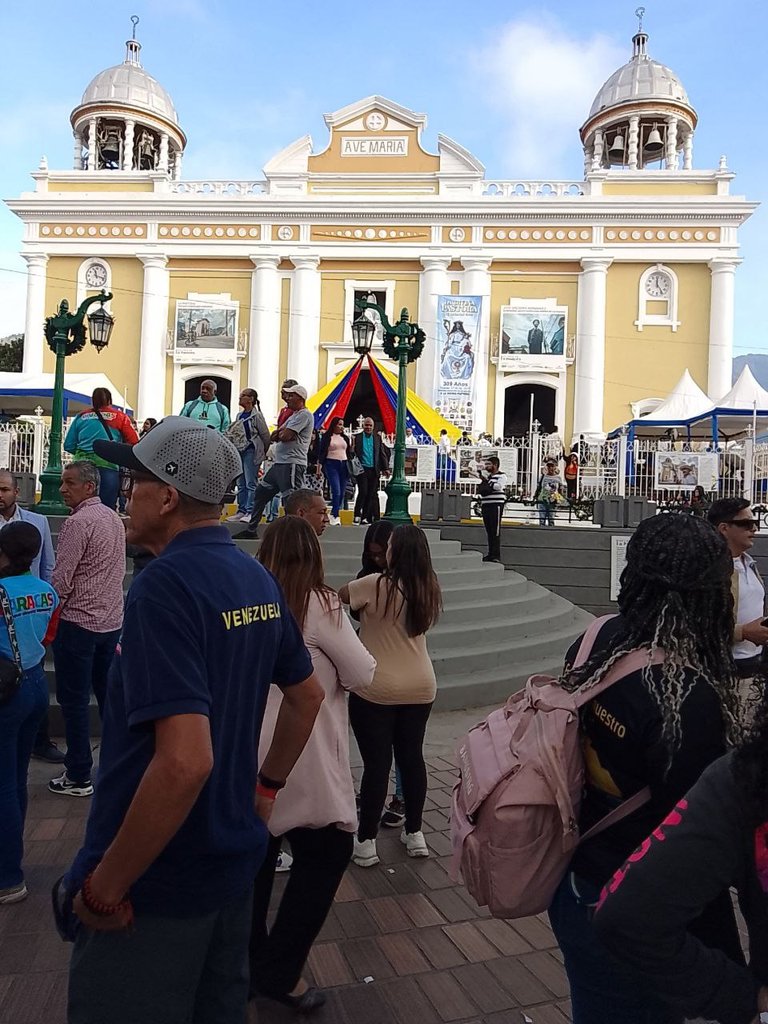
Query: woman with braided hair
{"x": 657, "y": 728}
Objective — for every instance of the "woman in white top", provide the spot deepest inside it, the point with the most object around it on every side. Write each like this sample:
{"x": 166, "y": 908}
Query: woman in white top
{"x": 334, "y": 452}
{"x": 396, "y": 608}
{"x": 316, "y": 810}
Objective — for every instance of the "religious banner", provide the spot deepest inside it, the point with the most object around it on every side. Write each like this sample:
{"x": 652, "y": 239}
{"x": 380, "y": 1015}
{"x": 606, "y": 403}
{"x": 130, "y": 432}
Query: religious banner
{"x": 458, "y": 329}
{"x": 532, "y": 338}
{"x": 682, "y": 471}
{"x": 206, "y": 332}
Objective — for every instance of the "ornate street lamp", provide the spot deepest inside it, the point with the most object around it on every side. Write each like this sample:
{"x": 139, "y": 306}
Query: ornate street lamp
{"x": 403, "y": 342}
{"x": 66, "y": 334}
{"x": 363, "y": 333}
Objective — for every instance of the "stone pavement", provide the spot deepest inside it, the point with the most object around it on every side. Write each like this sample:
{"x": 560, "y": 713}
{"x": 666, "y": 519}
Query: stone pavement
{"x": 402, "y": 943}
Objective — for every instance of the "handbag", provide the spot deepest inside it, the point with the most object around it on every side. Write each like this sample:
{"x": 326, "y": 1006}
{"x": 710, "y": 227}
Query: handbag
{"x": 11, "y": 670}
{"x": 355, "y": 466}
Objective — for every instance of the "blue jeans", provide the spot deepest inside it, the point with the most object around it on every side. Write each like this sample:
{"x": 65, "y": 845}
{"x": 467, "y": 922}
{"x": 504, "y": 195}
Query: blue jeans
{"x": 603, "y": 991}
{"x": 19, "y": 721}
{"x": 246, "y": 483}
{"x": 178, "y": 970}
{"x": 336, "y": 475}
{"x": 546, "y": 514}
{"x": 82, "y": 659}
{"x": 109, "y": 486}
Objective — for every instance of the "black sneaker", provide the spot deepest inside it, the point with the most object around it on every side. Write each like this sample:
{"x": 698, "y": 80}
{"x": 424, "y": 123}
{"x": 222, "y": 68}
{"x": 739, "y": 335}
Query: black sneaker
{"x": 394, "y": 816}
{"x": 50, "y": 753}
{"x": 64, "y": 785}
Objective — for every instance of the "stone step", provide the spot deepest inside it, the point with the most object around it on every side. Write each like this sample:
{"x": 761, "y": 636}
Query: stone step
{"x": 447, "y": 637}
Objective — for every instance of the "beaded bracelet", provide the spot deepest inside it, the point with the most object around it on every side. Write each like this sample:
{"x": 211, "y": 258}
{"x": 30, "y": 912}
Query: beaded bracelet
{"x": 104, "y": 909}
{"x": 267, "y": 783}
{"x": 266, "y": 791}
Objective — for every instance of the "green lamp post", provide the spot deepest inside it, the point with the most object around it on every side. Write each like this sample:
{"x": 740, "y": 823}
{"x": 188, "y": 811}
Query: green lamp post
{"x": 403, "y": 342}
{"x": 66, "y": 334}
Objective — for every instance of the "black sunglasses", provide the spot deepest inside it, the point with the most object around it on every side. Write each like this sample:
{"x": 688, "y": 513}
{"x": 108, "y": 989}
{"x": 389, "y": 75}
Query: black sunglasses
{"x": 745, "y": 524}
{"x": 127, "y": 482}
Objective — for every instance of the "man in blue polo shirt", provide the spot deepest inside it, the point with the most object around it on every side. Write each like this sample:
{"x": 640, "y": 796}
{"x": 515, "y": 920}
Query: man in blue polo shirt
{"x": 177, "y": 828}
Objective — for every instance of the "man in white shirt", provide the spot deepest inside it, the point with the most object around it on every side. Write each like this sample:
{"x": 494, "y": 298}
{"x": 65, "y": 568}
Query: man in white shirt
{"x": 735, "y": 520}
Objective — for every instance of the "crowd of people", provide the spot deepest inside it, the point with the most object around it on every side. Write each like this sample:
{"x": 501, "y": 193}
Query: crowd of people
{"x": 227, "y": 687}
{"x": 223, "y": 684}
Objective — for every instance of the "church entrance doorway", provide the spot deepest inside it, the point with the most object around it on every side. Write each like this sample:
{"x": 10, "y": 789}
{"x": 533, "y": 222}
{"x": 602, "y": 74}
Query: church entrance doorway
{"x": 223, "y": 388}
{"x": 517, "y": 408}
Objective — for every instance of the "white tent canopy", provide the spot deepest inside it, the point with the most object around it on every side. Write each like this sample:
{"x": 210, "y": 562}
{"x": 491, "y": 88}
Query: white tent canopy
{"x": 746, "y": 393}
{"x": 685, "y": 402}
{"x": 22, "y": 393}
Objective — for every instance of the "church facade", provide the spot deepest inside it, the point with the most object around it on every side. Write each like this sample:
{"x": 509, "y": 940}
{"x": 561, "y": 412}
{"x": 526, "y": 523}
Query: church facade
{"x": 579, "y": 303}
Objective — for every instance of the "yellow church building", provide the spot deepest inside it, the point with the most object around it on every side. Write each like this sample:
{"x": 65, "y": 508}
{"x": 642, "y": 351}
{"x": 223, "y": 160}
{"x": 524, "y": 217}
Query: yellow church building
{"x": 588, "y": 298}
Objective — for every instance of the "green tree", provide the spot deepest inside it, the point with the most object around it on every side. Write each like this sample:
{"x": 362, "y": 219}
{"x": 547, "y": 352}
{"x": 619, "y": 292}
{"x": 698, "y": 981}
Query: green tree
{"x": 12, "y": 352}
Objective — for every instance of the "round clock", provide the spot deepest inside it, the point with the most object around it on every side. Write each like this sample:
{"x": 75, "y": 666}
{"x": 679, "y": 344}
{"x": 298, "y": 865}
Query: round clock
{"x": 96, "y": 275}
{"x": 657, "y": 285}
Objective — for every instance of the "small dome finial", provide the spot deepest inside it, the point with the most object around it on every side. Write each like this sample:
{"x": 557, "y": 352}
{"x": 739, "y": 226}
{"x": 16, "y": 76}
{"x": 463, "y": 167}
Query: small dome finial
{"x": 639, "y": 14}
{"x": 640, "y": 38}
{"x": 133, "y": 46}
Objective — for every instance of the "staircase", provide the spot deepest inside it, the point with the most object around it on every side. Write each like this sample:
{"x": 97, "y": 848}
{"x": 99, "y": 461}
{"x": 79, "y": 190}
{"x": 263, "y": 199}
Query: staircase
{"x": 497, "y": 627}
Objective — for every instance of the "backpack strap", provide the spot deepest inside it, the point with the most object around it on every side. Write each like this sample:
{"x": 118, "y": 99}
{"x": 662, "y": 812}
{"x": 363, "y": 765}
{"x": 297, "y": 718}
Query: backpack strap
{"x": 5, "y": 604}
{"x": 589, "y": 638}
{"x": 634, "y": 661}
{"x": 629, "y": 806}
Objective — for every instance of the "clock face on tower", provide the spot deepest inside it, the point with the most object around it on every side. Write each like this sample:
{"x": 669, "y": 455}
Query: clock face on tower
{"x": 657, "y": 285}
{"x": 96, "y": 275}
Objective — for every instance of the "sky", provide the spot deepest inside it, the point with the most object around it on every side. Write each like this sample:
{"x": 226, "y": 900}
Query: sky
{"x": 511, "y": 81}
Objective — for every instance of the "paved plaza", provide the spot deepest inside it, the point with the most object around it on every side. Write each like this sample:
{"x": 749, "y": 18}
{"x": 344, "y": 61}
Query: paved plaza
{"x": 402, "y": 943}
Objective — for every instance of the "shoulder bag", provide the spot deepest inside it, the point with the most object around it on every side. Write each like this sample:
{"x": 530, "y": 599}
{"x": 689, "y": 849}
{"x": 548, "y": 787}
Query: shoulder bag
{"x": 11, "y": 670}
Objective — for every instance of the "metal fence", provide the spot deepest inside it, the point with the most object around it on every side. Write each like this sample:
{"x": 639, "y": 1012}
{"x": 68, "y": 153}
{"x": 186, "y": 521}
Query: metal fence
{"x": 24, "y": 445}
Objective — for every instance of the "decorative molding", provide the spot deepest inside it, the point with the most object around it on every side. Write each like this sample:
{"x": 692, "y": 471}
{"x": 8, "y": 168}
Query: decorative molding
{"x": 677, "y": 235}
{"x": 645, "y": 318}
{"x": 206, "y": 231}
{"x": 390, "y": 234}
{"x": 56, "y": 230}
{"x": 543, "y": 235}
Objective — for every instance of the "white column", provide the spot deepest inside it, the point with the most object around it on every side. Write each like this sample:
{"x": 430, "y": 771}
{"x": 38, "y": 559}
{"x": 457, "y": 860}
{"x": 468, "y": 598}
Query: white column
{"x": 264, "y": 340}
{"x": 154, "y": 332}
{"x": 670, "y": 157}
{"x": 688, "y": 151}
{"x": 432, "y": 282}
{"x": 477, "y": 281}
{"x": 304, "y": 325}
{"x": 177, "y": 166}
{"x": 721, "y": 328}
{"x": 590, "y": 346}
{"x": 128, "y": 147}
{"x": 163, "y": 161}
{"x": 598, "y": 150}
{"x": 633, "y": 142}
{"x": 77, "y": 156}
{"x": 92, "y": 144}
{"x": 34, "y": 338}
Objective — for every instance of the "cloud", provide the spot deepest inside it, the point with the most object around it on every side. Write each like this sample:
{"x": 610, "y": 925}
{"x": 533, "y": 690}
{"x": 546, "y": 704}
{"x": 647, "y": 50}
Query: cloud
{"x": 542, "y": 80}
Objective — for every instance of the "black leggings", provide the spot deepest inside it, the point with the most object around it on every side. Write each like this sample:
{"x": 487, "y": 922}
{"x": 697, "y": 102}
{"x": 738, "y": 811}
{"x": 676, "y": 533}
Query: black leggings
{"x": 320, "y": 857}
{"x": 379, "y": 729}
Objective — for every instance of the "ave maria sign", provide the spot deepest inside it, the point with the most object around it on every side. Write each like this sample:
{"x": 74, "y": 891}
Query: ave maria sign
{"x": 384, "y": 145}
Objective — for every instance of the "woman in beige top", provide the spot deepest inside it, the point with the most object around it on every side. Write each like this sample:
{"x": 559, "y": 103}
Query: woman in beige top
{"x": 396, "y": 609}
{"x": 316, "y": 809}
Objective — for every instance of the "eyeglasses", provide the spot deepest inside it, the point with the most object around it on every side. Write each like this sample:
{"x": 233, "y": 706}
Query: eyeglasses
{"x": 745, "y": 524}
{"x": 127, "y": 482}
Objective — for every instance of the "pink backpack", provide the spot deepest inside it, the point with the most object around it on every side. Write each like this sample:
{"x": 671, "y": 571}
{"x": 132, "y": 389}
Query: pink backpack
{"x": 515, "y": 811}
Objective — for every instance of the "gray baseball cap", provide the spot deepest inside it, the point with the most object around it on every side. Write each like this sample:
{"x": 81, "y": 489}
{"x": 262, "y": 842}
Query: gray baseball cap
{"x": 194, "y": 458}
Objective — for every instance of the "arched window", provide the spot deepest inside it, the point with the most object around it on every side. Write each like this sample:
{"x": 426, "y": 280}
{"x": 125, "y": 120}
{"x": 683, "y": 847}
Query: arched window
{"x": 657, "y": 298}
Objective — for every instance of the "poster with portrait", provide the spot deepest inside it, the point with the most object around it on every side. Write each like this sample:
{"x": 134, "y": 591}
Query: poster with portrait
{"x": 533, "y": 338}
{"x": 682, "y": 471}
{"x": 471, "y": 462}
{"x": 380, "y": 299}
{"x": 206, "y": 332}
{"x": 456, "y": 345}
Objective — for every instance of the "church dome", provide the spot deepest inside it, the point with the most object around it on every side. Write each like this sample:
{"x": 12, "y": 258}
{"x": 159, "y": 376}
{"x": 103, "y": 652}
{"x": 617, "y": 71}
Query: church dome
{"x": 640, "y": 79}
{"x": 128, "y": 84}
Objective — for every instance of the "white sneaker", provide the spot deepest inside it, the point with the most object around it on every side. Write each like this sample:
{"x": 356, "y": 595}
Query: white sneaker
{"x": 335, "y": 521}
{"x": 364, "y": 854}
{"x": 15, "y": 894}
{"x": 415, "y": 843}
{"x": 284, "y": 861}
{"x": 236, "y": 517}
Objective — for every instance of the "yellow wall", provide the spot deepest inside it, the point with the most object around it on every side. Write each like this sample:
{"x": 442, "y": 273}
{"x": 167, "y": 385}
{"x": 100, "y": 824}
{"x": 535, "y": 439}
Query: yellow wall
{"x": 85, "y": 185}
{"x": 648, "y": 363}
{"x": 120, "y": 361}
{"x": 660, "y": 188}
